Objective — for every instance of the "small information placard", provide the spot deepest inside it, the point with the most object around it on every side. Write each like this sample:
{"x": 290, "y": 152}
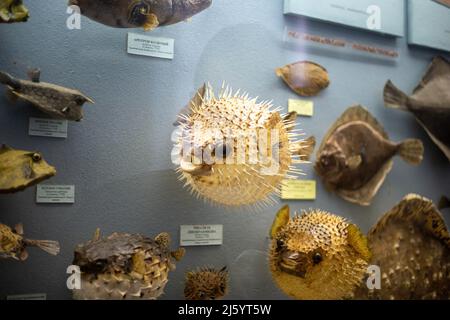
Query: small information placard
{"x": 201, "y": 235}
{"x": 151, "y": 46}
{"x": 298, "y": 190}
{"x": 48, "y": 128}
{"x": 46, "y": 193}
{"x": 302, "y": 107}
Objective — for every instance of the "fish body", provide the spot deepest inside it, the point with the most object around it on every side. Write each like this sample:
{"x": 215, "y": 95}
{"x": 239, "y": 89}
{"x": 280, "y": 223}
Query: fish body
{"x": 429, "y": 103}
{"x": 124, "y": 266}
{"x": 356, "y": 155}
{"x": 148, "y": 14}
{"x": 21, "y": 169}
{"x": 206, "y": 284}
{"x": 317, "y": 255}
{"x": 13, "y": 11}
{"x": 56, "y": 101}
{"x": 13, "y": 244}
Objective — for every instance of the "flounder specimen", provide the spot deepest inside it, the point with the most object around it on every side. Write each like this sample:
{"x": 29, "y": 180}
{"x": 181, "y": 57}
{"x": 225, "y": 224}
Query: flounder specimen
{"x": 411, "y": 245}
{"x": 13, "y": 244}
{"x": 233, "y": 150}
{"x": 56, "y": 101}
{"x": 13, "y": 11}
{"x": 148, "y": 14}
{"x": 429, "y": 103}
{"x": 206, "y": 284}
{"x": 317, "y": 255}
{"x": 356, "y": 156}
{"x": 305, "y": 78}
{"x": 22, "y": 169}
{"x": 124, "y": 266}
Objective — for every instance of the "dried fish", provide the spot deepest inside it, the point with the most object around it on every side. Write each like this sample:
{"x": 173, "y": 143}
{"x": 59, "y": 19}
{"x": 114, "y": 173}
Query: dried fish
{"x": 206, "y": 284}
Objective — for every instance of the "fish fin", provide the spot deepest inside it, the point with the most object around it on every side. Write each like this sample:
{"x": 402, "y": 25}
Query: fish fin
{"x": 395, "y": 98}
{"x": 444, "y": 203}
{"x": 290, "y": 119}
{"x": 195, "y": 102}
{"x": 445, "y": 149}
{"x": 354, "y": 162}
{"x": 9, "y": 80}
{"x": 305, "y": 148}
{"x": 34, "y": 75}
{"x": 51, "y": 247}
{"x": 163, "y": 239}
{"x": 437, "y": 68}
{"x": 151, "y": 22}
{"x": 411, "y": 150}
{"x": 97, "y": 235}
{"x": 358, "y": 242}
{"x": 365, "y": 194}
{"x": 178, "y": 254}
{"x": 23, "y": 255}
{"x": 19, "y": 228}
{"x": 281, "y": 219}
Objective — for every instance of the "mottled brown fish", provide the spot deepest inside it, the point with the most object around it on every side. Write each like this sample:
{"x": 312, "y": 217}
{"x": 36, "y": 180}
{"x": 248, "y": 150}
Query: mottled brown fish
{"x": 305, "y": 78}
{"x": 429, "y": 103}
{"x": 411, "y": 245}
{"x": 356, "y": 155}
{"x": 56, "y": 101}
{"x": 206, "y": 284}
{"x": 148, "y": 14}
{"x": 13, "y": 11}
{"x": 124, "y": 266}
{"x": 13, "y": 244}
{"x": 22, "y": 169}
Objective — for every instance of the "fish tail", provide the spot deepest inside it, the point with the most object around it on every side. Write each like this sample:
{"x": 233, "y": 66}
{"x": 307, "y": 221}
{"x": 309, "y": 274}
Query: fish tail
{"x": 7, "y": 79}
{"x": 411, "y": 150}
{"x": 444, "y": 203}
{"x": 394, "y": 97}
{"x": 307, "y": 148}
{"x": 51, "y": 247}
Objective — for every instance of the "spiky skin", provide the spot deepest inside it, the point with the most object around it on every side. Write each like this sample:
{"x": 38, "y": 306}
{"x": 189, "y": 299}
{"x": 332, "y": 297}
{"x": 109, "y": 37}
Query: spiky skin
{"x": 342, "y": 250}
{"x": 234, "y": 182}
{"x": 206, "y": 284}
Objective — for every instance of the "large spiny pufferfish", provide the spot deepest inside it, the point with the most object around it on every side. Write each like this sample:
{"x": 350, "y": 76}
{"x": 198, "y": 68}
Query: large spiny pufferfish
{"x": 317, "y": 255}
{"x": 233, "y": 150}
{"x": 206, "y": 284}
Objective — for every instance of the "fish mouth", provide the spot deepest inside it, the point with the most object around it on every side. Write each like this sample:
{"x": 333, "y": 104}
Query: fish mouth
{"x": 294, "y": 263}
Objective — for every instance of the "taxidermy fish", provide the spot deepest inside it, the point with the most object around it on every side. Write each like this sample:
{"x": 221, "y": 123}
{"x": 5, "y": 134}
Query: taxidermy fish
{"x": 317, "y": 255}
{"x": 305, "y": 78}
{"x": 356, "y": 156}
{"x": 218, "y": 151}
{"x": 124, "y": 266}
{"x": 206, "y": 284}
{"x": 411, "y": 245}
{"x": 22, "y": 169}
{"x": 13, "y": 244}
{"x": 56, "y": 101}
{"x": 148, "y": 14}
{"x": 444, "y": 203}
{"x": 429, "y": 103}
{"x": 13, "y": 11}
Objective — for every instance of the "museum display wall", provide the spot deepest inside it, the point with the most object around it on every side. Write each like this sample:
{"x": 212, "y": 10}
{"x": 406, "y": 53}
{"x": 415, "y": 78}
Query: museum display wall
{"x": 119, "y": 156}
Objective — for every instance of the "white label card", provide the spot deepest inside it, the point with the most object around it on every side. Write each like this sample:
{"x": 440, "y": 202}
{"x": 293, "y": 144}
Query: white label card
{"x": 46, "y": 193}
{"x": 151, "y": 46}
{"x": 201, "y": 235}
{"x": 48, "y": 128}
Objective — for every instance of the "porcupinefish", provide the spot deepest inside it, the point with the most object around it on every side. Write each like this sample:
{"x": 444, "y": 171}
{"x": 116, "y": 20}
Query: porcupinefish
{"x": 56, "y": 101}
{"x": 317, "y": 255}
{"x": 430, "y": 102}
{"x": 148, "y": 14}
{"x": 356, "y": 156}
{"x": 13, "y": 11}
{"x": 233, "y": 150}
{"x": 124, "y": 266}
{"x": 305, "y": 78}
{"x": 206, "y": 284}
{"x": 411, "y": 246}
{"x": 13, "y": 244}
{"x": 22, "y": 169}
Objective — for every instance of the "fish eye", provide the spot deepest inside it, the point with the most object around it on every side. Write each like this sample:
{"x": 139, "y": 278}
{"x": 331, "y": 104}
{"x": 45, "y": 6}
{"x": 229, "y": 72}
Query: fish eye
{"x": 280, "y": 243}
{"x": 36, "y": 157}
{"x": 317, "y": 258}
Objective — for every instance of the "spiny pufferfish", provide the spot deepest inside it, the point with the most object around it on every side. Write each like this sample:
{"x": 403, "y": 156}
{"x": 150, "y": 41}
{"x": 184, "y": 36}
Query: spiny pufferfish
{"x": 206, "y": 284}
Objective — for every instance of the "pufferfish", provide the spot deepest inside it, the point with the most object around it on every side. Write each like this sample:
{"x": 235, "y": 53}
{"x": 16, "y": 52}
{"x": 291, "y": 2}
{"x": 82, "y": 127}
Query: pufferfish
{"x": 148, "y": 14}
{"x": 206, "y": 284}
{"x": 233, "y": 150}
{"x": 317, "y": 255}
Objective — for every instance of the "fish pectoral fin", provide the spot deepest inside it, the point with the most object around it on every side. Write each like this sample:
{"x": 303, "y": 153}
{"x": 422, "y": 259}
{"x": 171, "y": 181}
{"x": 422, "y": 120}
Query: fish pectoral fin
{"x": 358, "y": 242}
{"x": 281, "y": 219}
{"x": 151, "y": 23}
{"x": 19, "y": 228}
{"x": 354, "y": 162}
{"x": 394, "y": 98}
{"x": 411, "y": 150}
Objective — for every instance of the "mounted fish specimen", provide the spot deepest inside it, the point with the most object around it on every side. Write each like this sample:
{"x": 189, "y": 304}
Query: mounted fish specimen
{"x": 317, "y": 255}
{"x": 13, "y": 244}
{"x": 411, "y": 245}
{"x": 233, "y": 150}
{"x": 206, "y": 284}
{"x": 22, "y": 169}
{"x": 305, "y": 78}
{"x": 429, "y": 103}
{"x": 56, "y": 101}
{"x": 124, "y": 266}
{"x": 444, "y": 203}
{"x": 148, "y": 14}
{"x": 356, "y": 156}
{"x": 13, "y": 11}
